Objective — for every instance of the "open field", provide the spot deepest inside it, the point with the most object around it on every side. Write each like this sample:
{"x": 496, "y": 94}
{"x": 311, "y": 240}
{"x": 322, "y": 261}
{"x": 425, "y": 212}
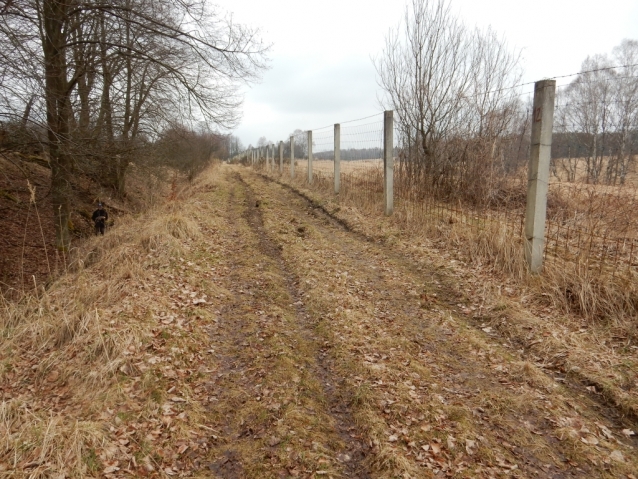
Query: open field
{"x": 348, "y": 166}
{"x": 242, "y": 331}
{"x": 576, "y": 168}
{"x": 595, "y": 223}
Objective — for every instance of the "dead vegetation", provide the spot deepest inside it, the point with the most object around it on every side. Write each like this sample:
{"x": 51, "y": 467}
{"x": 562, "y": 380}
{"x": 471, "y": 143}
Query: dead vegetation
{"x": 71, "y": 354}
{"x": 570, "y": 321}
{"x": 28, "y": 256}
{"x": 398, "y": 319}
{"x": 239, "y": 332}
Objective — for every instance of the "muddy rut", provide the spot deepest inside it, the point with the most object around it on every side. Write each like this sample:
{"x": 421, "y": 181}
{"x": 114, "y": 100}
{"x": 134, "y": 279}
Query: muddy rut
{"x": 428, "y": 395}
{"x": 337, "y": 357}
{"x": 355, "y": 450}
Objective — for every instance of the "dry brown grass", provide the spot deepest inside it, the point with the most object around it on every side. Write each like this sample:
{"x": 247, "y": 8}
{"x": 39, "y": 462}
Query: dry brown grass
{"x": 119, "y": 369}
{"x": 579, "y": 165}
{"x": 70, "y": 354}
{"x": 115, "y": 372}
{"x": 570, "y": 320}
{"x": 391, "y": 356}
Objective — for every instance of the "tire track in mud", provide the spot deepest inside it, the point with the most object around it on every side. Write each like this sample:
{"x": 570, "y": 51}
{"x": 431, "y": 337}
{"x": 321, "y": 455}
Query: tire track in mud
{"x": 577, "y": 383}
{"x": 327, "y": 226}
{"x": 355, "y": 451}
{"x": 229, "y": 465}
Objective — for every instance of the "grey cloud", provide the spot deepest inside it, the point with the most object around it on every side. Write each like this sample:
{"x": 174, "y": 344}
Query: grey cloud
{"x": 297, "y": 85}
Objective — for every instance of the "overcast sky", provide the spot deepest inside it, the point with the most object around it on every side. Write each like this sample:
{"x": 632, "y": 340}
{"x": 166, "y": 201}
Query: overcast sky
{"x": 321, "y": 70}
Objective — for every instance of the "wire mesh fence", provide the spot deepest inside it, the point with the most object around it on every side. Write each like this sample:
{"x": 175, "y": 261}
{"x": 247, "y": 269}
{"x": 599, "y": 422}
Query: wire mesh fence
{"x": 480, "y": 185}
{"x": 323, "y": 158}
{"x": 362, "y": 162}
{"x": 592, "y": 224}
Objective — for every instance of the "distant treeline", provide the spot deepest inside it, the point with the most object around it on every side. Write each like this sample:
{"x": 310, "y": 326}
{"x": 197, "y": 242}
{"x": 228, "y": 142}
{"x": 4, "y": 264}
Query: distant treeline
{"x": 580, "y": 145}
{"x": 352, "y": 154}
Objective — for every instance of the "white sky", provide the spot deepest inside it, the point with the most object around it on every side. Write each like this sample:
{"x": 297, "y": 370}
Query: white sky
{"x": 321, "y": 70}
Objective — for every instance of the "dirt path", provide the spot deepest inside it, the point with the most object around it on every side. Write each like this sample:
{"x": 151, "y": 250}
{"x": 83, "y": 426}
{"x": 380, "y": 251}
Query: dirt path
{"x": 243, "y": 333}
{"x": 276, "y": 402}
{"x": 388, "y": 354}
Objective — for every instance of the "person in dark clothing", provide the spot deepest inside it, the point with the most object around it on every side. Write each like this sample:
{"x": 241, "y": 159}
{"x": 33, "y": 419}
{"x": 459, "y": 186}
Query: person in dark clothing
{"x": 99, "y": 218}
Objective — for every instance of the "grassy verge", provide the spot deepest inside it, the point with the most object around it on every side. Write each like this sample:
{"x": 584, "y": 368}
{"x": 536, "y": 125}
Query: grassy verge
{"x": 429, "y": 390}
{"x": 570, "y": 321}
{"x": 238, "y": 332}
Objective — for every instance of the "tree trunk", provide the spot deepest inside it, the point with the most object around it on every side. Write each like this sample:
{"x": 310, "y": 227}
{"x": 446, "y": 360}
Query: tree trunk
{"x": 54, "y": 15}
{"x": 27, "y": 111}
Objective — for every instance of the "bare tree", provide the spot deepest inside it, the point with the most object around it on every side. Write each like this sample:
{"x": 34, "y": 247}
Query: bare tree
{"x": 187, "y": 150}
{"x": 235, "y": 146}
{"x": 107, "y": 73}
{"x": 625, "y": 106}
{"x": 589, "y": 100}
{"x": 447, "y": 85}
{"x": 600, "y": 113}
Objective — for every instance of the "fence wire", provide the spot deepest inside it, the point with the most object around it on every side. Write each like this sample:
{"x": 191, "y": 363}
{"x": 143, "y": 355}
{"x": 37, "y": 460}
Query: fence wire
{"x": 362, "y": 162}
{"x": 592, "y": 209}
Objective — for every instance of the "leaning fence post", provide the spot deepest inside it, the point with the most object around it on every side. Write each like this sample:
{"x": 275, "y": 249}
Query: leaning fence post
{"x": 388, "y": 162}
{"x": 538, "y": 173}
{"x": 281, "y": 157}
{"x": 337, "y": 156}
{"x": 292, "y": 157}
{"x": 310, "y": 157}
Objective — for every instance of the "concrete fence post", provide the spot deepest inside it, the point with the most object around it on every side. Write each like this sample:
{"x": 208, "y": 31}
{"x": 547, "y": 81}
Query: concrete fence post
{"x": 388, "y": 162}
{"x": 538, "y": 173}
{"x": 310, "y": 157}
{"x": 281, "y": 157}
{"x": 337, "y": 156}
{"x": 292, "y": 157}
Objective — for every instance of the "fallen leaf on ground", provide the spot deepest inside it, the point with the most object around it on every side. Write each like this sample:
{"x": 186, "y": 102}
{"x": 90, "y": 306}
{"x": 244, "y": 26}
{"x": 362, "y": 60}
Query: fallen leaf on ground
{"x": 617, "y": 456}
{"x": 470, "y": 446}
